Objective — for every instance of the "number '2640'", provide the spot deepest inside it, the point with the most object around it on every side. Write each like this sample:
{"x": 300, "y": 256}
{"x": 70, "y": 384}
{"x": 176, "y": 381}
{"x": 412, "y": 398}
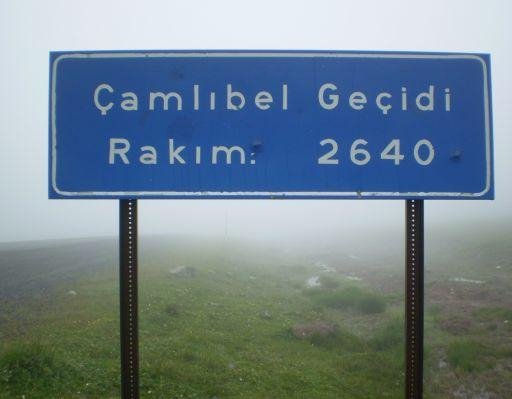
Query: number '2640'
{"x": 423, "y": 152}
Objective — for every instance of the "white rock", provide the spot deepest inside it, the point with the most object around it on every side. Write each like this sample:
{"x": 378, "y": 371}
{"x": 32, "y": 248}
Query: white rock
{"x": 465, "y": 280}
{"x": 313, "y": 282}
{"x": 353, "y": 278}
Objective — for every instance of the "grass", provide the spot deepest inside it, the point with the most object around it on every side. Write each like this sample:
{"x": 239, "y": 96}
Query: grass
{"x": 339, "y": 340}
{"x": 24, "y": 362}
{"x": 200, "y": 337}
{"x": 226, "y": 332}
{"x": 329, "y": 282}
{"x": 27, "y": 366}
{"x": 469, "y": 356}
{"x": 390, "y": 336}
{"x": 498, "y": 314}
{"x": 348, "y": 297}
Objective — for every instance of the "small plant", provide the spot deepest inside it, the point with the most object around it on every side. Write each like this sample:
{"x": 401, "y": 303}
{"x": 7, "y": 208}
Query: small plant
{"x": 349, "y": 298}
{"x": 390, "y": 336}
{"x": 340, "y": 299}
{"x": 371, "y": 304}
{"x": 493, "y": 314}
{"x": 469, "y": 356}
{"x": 329, "y": 283}
{"x": 327, "y": 335}
{"x": 171, "y": 309}
{"x": 28, "y": 364}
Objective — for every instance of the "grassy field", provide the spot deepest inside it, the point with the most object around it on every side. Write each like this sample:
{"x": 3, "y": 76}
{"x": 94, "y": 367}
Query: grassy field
{"x": 224, "y": 319}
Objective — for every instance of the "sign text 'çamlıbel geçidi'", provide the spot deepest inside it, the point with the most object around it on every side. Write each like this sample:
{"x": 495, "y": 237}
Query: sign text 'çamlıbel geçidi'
{"x": 270, "y": 125}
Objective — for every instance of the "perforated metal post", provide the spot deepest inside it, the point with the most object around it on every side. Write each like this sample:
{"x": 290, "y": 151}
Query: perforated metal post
{"x": 414, "y": 300}
{"x": 128, "y": 299}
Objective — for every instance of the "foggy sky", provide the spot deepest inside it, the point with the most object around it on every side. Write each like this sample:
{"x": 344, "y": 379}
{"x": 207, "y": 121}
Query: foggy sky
{"x": 30, "y": 29}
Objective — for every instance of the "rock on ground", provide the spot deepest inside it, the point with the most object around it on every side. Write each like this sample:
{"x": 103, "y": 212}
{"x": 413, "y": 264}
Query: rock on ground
{"x": 318, "y": 328}
{"x": 183, "y": 271}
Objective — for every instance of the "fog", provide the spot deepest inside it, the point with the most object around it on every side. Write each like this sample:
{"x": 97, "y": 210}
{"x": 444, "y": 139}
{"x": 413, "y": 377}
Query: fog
{"x": 30, "y": 29}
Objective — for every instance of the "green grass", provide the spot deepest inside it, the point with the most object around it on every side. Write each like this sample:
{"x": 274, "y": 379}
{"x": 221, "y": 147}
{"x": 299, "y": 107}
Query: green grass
{"x": 469, "y": 356}
{"x": 340, "y": 340}
{"x": 348, "y": 297}
{"x": 329, "y": 282}
{"x": 227, "y": 333}
{"x": 390, "y": 336}
{"x": 223, "y": 333}
{"x": 494, "y": 314}
{"x": 31, "y": 366}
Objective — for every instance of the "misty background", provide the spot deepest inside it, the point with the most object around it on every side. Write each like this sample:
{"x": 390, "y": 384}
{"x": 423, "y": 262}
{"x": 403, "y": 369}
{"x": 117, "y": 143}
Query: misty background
{"x": 30, "y": 29}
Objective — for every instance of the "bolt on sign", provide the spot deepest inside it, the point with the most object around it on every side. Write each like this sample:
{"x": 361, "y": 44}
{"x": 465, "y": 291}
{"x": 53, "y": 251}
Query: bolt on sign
{"x": 241, "y": 124}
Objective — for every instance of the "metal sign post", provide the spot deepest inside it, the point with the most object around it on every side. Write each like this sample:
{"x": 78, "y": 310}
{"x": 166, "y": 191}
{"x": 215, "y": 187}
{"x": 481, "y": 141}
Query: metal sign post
{"x": 414, "y": 282}
{"x": 128, "y": 299}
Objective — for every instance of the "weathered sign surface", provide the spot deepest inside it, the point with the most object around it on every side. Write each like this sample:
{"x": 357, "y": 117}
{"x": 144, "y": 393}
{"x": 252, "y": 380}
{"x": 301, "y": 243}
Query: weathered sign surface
{"x": 200, "y": 124}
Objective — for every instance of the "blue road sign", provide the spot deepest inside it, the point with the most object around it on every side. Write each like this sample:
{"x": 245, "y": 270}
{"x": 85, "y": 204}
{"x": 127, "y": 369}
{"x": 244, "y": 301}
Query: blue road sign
{"x": 241, "y": 124}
